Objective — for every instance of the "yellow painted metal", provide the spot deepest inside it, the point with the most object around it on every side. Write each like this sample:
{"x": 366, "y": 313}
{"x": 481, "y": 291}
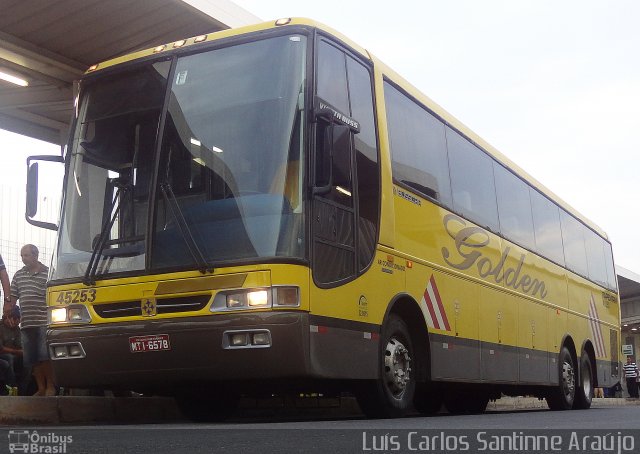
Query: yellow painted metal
{"x": 487, "y": 288}
{"x": 201, "y": 284}
{"x": 172, "y": 285}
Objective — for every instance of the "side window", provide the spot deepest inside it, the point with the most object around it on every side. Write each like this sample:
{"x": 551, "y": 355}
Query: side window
{"x": 546, "y": 221}
{"x": 514, "y": 207}
{"x": 418, "y": 146}
{"x": 612, "y": 280}
{"x": 332, "y": 88}
{"x": 574, "y": 248}
{"x": 474, "y": 194}
{"x": 332, "y": 77}
{"x": 366, "y": 160}
{"x": 345, "y": 212}
{"x": 595, "y": 247}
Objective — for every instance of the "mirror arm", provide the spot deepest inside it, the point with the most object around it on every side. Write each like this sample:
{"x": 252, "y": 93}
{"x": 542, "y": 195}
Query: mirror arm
{"x": 44, "y": 225}
{"x": 325, "y": 114}
{"x": 322, "y": 190}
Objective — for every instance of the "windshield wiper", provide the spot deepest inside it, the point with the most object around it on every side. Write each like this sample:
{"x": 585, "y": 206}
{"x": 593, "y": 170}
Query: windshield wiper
{"x": 92, "y": 267}
{"x": 185, "y": 231}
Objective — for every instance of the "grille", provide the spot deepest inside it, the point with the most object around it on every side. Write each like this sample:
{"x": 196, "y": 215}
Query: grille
{"x": 163, "y": 306}
{"x": 123, "y": 309}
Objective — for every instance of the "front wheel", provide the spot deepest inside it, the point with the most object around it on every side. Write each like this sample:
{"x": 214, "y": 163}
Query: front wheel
{"x": 562, "y": 396}
{"x": 584, "y": 391}
{"x": 392, "y": 394}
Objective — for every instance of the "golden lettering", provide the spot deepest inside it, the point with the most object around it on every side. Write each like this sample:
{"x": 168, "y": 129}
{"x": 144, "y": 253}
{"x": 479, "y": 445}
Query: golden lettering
{"x": 469, "y": 242}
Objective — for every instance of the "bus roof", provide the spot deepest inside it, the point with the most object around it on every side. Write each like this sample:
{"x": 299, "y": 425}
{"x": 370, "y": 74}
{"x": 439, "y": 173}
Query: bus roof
{"x": 386, "y": 71}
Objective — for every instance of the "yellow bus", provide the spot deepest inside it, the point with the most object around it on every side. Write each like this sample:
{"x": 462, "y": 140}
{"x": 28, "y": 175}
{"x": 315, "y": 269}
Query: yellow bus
{"x": 272, "y": 208}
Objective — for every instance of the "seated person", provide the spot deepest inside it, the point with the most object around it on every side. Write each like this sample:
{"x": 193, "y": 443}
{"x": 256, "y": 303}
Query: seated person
{"x": 11, "y": 351}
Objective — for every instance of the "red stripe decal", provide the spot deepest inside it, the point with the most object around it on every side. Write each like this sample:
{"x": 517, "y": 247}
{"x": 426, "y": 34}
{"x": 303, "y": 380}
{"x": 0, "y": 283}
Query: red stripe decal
{"x": 439, "y": 301}
{"x": 429, "y": 303}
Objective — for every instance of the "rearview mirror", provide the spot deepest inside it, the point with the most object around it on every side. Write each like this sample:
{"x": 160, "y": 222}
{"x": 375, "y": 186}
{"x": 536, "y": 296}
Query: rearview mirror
{"x": 33, "y": 175}
{"x": 32, "y": 190}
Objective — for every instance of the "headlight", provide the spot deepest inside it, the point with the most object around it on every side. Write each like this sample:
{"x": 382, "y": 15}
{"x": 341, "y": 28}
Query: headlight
{"x": 258, "y": 298}
{"x": 255, "y": 298}
{"x": 75, "y": 314}
{"x": 69, "y": 314}
{"x": 248, "y": 298}
{"x": 236, "y": 300}
{"x": 58, "y": 315}
{"x": 286, "y": 296}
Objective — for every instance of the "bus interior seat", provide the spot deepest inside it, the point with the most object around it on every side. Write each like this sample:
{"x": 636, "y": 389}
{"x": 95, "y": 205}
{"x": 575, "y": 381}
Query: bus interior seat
{"x": 232, "y": 228}
{"x": 290, "y": 174}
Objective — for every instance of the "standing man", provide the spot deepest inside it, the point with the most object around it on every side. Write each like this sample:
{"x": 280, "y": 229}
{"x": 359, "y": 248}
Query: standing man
{"x": 6, "y": 292}
{"x": 631, "y": 374}
{"x": 29, "y": 285}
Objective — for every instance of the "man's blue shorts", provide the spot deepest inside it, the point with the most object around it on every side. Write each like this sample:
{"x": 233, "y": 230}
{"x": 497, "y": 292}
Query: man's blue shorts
{"x": 34, "y": 345}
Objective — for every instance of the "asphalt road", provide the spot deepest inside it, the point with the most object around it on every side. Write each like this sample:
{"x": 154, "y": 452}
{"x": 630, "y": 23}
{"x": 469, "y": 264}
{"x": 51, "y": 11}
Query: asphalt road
{"x": 532, "y": 431}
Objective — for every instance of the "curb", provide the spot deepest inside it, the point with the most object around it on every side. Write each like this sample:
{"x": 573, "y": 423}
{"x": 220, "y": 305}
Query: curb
{"x": 526, "y": 403}
{"x": 87, "y": 409}
{"x": 80, "y": 409}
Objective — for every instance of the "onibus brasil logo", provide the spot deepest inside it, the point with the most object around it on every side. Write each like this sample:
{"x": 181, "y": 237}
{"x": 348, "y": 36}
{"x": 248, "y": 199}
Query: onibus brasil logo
{"x": 33, "y": 442}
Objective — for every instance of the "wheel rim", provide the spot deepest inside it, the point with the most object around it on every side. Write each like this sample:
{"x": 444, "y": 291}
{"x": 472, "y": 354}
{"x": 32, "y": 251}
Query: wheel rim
{"x": 397, "y": 367}
{"x": 568, "y": 380}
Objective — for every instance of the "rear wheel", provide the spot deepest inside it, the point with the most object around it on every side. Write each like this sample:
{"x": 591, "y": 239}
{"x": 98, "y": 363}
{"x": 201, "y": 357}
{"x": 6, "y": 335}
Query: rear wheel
{"x": 584, "y": 390}
{"x": 393, "y": 393}
{"x": 562, "y": 396}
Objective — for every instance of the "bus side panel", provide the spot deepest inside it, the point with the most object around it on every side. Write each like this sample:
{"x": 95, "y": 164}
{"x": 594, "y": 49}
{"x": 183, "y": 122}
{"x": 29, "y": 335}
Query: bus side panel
{"x": 455, "y": 352}
{"x": 345, "y": 321}
{"x": 533, "y": 338}
{"x": 587, "y": 300}
{"x": 555, "y": 282}
{"x": 558, "y": 322}
{"x": 532, "y": 285}
{"x": 538, "y": 288}
{"x": 498, "y": 328}
{"x": 484, "y": 319}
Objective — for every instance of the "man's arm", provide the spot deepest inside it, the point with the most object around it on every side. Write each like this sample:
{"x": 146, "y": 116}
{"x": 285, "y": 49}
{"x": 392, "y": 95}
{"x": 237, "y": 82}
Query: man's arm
{"x": 15, "y": 296}
{"x": 13, "y": 351}
{"x": 6, "y": 289}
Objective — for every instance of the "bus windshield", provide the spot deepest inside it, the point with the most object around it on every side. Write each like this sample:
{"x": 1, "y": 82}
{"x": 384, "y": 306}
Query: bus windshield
{"x": 227, "y": 167}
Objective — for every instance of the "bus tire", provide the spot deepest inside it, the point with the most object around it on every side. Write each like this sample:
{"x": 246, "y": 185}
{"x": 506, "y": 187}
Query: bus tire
{"x": 392, "y": 394}
{"x": 584, "y": 390}
{"x": 561, "y": 397}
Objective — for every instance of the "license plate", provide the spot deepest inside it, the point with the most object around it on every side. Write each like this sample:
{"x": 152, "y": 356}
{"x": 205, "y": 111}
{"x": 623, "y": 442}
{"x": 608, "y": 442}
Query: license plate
{"x": 153, "y": 343}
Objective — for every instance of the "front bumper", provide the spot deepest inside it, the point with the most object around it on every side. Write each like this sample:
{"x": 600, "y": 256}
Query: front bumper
{"x": 197, "y": 351}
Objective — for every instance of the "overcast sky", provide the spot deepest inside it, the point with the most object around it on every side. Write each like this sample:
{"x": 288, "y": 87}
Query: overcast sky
{"x": 554, "y": 85}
